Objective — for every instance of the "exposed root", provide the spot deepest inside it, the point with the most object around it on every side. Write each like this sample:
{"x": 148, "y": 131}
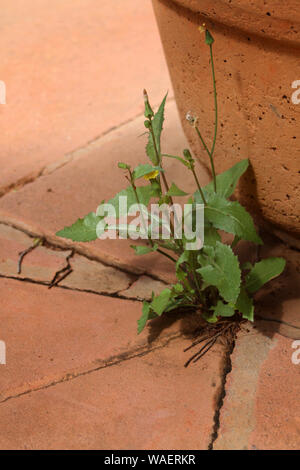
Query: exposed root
{"x": 22, "y": 254}
{"x": 224, "y": 329}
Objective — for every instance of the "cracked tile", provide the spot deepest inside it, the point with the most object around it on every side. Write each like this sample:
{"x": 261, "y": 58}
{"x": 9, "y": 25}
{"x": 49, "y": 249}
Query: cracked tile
{"x": 261, "y": 407}
{"x": 143, "y": 287}
{"x": 149, "y": 402}
{"x": 279, "y": 301}
{"x": 41, "y": 264}
{"x": 96, "y": 277}
{"x": 52, "y": 333}
{"x": 78, "y": 187}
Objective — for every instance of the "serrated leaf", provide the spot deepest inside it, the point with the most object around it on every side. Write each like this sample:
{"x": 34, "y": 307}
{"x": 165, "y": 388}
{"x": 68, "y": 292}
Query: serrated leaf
{"x": 144, "y": 250}
{"x": 147, "y": 314}
{"x": 230, "y": 217}
{"x": 227, "y": 181}
{"x": 157, "y": 124}
{"x": 244, "y": 305}
{"x": 143, "y": 170}
{"x": 175, "y": 191}
{"x": 223, "y": 272}
{"x": 263, "y": 272}
{"x": 223, "y": 310}
{"x": 160, "y": 302}
{"x": 83, "y": 230}
{"x": 211, "y": 235}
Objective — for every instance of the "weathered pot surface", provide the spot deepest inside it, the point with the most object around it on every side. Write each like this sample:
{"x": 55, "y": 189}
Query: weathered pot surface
{"x": 257, "y": 59}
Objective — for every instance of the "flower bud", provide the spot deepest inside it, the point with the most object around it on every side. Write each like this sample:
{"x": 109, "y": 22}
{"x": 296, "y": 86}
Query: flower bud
{"x": 148, "y": 110}
{"x": 191, "y": 119}
{"x": 123, "y": 166}
{"x": 208, "y": 38}
{"x": 187, "y": 155}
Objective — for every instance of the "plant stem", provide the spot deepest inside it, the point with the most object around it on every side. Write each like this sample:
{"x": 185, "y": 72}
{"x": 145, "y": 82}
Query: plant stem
{"x": 211, "y": 152}
{"x": 210, "y": 158}
{"x": 215, "y": 99}
{"x": 159, "y": 160}
{"x": 195, "y": 274}
{"x": 144, "y": 223}
{"x": 198, "y": 184}
{"x": 166, "y": 254}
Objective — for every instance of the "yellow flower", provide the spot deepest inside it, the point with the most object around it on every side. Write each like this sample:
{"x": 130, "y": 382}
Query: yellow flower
{"x": 202, "y": 28}
{"x": 150, "y": 176}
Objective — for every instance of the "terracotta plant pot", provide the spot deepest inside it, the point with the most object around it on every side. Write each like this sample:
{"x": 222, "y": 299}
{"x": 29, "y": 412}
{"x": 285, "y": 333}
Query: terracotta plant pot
{"x": 257, "y": 59}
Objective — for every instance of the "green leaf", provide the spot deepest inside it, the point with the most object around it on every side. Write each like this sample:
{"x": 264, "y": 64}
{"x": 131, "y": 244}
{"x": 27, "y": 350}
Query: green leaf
{"x": 180, "y": 159}
{"x": 183, "y": 258}
{"x": 147, "y": 314}
{"x": 144, "y": 194}
{"x": 160, "y": 302}
{"x": 211, "y": 235}
{"x": 83, "y": 230}
{"x": 178, "y": 288}
{"x": 244, "y": 305}
{"x": 175, "y": 191}
{"x": 210, "y": 318}
{"x": 227, "y": 181}
{"x": 143, "y": 170}
{"x": 263, "y": 272}
{"x": 230, "y": 217}
{"x": 223, "y": 310}
{"x": 157, "y": 124}
{"x": 143, "y": 250}
{"x": 222, "y": 271}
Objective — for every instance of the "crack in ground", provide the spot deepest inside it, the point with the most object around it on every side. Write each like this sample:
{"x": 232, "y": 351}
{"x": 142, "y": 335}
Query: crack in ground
{"x": 61, "y": 246}
{"x": 62, "y": 273}
{"x": 21, "y": 182}
{"x": 114, "y": 295}
{"x": 226, "y": 370}
{"x": 277, "y": 320}
{"x": 112, "y": 361}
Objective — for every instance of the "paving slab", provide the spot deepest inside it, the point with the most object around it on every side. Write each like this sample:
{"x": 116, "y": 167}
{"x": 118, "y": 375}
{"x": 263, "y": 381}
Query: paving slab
{"x": 73, "y": 70}
{"x": 261, "y": 407}
{"x": 148, "y": 402}
{"x": 58, "y": 199}
{"x": 279, "y": 301}
{"x": 143, "y": 287}
{"x": 57, "y": 333}
{"x": 94, "y": 276}
{"x": 41, "y": 264}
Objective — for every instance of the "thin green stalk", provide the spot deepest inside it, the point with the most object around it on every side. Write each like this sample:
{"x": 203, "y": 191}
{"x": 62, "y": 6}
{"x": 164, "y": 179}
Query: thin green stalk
{"x": 210, "y": 158}
{"x": 211, "y": 152}
{"x": 195, "y": 273}
{"x": 198, "y": 184}
{"x": 166, "y": 254}
{"x": 215, "y": 99}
